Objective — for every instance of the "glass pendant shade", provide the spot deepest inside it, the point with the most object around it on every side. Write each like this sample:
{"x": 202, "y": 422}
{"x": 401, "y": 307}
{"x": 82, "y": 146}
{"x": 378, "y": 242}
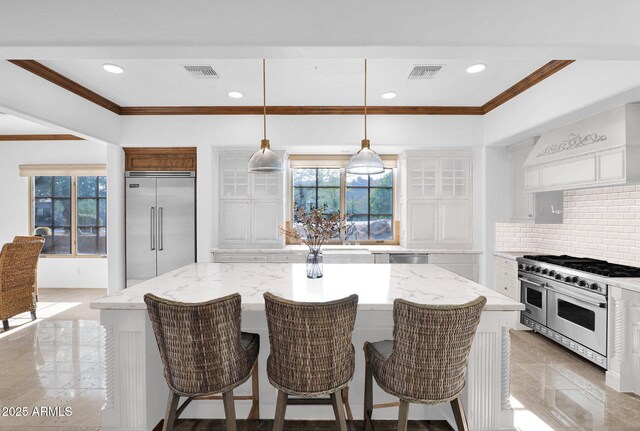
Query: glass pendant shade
{"x": 365, "y": 162}
{"x": 265, "y": 160}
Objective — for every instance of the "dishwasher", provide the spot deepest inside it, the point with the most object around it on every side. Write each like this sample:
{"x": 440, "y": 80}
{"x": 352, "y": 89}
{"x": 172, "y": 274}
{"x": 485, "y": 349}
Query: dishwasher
{"x": 408, "y": 258}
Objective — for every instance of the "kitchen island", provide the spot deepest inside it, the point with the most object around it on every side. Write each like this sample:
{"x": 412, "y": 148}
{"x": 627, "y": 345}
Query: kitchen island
{"x": 136, "y": 390}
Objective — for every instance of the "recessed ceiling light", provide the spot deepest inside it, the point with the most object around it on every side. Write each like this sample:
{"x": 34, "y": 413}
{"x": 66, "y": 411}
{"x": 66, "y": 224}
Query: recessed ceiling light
{"x": 389, "y": 95}
{"x": 235, "y": 95}
{"x": 475, "y": 68}
{"x": 112, "y": 68}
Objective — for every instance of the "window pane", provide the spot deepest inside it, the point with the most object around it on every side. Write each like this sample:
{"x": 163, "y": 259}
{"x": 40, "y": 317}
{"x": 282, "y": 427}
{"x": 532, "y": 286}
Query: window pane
{"x": 61, "y": 240}
{"x": 87, "y": 212}
{"x": 102, "y": 240}
{"x": 43, "y": 212}
{"x": 381, "y": 201}
{"x": 360, "y": 229}
{"x": 62, "y": 187}
{"x": 304, "y": 177}
{"x": 43, "y": 186}
{"x": 304, "y": 197}
{"x": 62, "y": 212}
{"x": 354, "y": 180}
{"x": 87, "y": 240}
{"x": 329, "y": 177}
{"x": 102, "y": 212}
{"x": 330, "y": 198}
{"x": 357, "y": 201}
{"x": 102, "y": 187}
{"x": 384, "y": 179}
{"x": 381, "y": 227}
{"x": 87, "y": 187}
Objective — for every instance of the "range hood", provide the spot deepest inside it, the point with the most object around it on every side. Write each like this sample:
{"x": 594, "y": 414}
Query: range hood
{"x": 602, "y": 150}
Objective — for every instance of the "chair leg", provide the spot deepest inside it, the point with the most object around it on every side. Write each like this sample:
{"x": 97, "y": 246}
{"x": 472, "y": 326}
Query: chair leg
{"x": 403, "y": 416}
{"x": 33, "y": 315}
{"x": 170, "y": 415}
{"x": 281, "y": 407}
{"x": 254, "y": 413}
{"x": 229, "y": 410}
{"x": 368, "y": 398}
{"x": 338, "y": 410}
{"x": 5, "y": 325}
{"x": 459, "y": 415}
{"x": 345, "y": 399}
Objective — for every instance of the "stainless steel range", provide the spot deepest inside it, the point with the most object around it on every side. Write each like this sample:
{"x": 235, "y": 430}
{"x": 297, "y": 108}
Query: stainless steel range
{"x": 566, "y": 300}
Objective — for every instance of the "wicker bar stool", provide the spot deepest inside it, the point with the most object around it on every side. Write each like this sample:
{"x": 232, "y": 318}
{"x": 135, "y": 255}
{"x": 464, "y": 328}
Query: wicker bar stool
{"x": 21, "y": 238}
{"x": 426, "y": 361}
{"x": 311, "y": 353}
{"x": 204, "y": 353}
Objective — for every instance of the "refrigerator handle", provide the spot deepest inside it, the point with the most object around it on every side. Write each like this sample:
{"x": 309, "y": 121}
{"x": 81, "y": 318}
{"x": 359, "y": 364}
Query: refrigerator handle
{"x": 161, "y": 228}
{"x": 152, "y": 222}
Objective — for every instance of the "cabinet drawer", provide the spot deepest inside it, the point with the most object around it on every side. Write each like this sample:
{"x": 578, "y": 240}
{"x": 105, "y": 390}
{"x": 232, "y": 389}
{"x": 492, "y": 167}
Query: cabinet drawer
{"x": 507, "y": 287}
{"x": 240, "y": 258}
{"x": 453, "y": 258}
{"x": 287, "y": 257}
{"x": 505, "y": 263}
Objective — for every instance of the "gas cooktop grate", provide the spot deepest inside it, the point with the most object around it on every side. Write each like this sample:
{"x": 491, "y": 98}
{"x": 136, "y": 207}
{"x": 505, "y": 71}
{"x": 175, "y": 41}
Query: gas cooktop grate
{"x": 593, "y": 266}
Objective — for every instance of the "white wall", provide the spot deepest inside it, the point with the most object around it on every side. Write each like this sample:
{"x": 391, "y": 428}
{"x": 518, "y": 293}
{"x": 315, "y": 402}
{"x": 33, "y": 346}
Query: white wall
{"x": 14, "y": 195}
{"x": 301, "y": 134}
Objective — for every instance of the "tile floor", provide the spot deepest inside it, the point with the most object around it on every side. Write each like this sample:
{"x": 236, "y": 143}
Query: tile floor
{"x": 57, "y": 361}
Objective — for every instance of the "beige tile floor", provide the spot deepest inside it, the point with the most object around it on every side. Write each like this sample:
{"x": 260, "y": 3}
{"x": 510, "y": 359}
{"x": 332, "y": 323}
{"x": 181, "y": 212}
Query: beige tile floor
{"x": 58, "y": 361}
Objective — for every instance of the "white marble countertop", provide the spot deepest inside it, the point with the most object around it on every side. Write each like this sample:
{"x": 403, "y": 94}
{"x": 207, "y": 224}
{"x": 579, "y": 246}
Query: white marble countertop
{"x": 338, "y": 248}
{"x": 377, "y": 285}
{"x": 512, "y": 254}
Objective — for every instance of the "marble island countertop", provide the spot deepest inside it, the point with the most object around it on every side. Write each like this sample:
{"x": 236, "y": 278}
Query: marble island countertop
{"x": 351, "y": 249}
{"x": 377, "y": 285}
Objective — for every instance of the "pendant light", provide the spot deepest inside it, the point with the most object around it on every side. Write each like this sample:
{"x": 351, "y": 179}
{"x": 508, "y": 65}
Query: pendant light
{"x": 366, "y": 161}
{"x": 265, "y": 160}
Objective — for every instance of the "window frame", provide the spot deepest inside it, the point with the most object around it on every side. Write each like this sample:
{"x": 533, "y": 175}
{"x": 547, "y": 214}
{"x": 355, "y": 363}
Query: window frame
{"x": 73, "y": 209}
{"x": 340, "y": 162}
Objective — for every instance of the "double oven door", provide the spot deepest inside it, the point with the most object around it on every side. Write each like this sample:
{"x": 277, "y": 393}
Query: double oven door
{"x": 574, "y": 313}
{"x": 581, "y": 316}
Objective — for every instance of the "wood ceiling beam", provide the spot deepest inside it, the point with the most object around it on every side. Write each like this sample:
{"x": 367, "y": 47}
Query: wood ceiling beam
{"x": 40, "y": 138}
{"x": 529, "y": 81}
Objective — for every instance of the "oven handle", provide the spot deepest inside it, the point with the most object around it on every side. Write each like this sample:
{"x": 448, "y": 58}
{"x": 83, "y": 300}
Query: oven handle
{"x": 532, "y": 282}
{"x": 598, "y": 304}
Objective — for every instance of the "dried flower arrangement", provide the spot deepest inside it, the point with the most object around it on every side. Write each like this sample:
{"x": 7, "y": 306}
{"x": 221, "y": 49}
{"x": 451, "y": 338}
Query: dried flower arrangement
{"x": 315, "y": 227}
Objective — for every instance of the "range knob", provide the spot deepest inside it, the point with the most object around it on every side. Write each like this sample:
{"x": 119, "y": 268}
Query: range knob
{"x": 558, "y": 276}
{"x": 552, "y": 273}
{"x": 521, "y": 266}
{"x": 568, "y": 279}
{"x": 538, "y": 269}
{"x": 545, "y": 271}
{"x": 574, "y": 279}
{"x": 583, "y": 283}
{"x": 594, "y": 286}
{"x": 528, "y": 268}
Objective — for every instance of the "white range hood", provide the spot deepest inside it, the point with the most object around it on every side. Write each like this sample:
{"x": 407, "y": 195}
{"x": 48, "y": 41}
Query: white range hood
{"x": 598, "y": 151}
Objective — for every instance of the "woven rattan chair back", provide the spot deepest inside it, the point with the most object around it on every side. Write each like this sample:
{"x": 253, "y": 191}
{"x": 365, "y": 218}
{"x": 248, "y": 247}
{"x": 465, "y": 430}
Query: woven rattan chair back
{"x": 21, "y": 238}
{"x": 18, "y": 263}
{"x": 311, "y": 352}
{"x": 431, "y": 345}
{"x": 200, "y": 344}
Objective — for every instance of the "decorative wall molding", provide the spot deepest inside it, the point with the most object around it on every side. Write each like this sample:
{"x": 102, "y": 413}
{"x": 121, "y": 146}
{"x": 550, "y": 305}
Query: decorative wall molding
{"x": 40, "y": 138}
{"x": 506, "y": 368}
{"x": 524, "y": 84}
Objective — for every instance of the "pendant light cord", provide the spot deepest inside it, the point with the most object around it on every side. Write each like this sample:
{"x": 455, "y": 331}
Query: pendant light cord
{"x": 264, "y": 98}
{"x": 365, "y": 98}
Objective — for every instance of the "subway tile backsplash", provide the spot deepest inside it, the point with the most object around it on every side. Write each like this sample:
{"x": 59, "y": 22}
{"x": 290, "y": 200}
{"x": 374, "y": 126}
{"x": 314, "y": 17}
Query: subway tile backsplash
{"x": 602, "y": 223}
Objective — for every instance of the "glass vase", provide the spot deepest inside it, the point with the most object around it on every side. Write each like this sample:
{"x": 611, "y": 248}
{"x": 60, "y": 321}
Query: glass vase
{"x": 314, "y": 263}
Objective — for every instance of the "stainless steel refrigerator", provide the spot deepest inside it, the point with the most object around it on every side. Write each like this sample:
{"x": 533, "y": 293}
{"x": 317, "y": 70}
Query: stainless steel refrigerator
{"x": 160, "y": 223}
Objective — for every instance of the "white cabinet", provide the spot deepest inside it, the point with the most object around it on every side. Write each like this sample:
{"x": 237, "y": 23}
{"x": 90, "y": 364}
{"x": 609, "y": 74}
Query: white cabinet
{"x": 527, "y": 207}
{"x": 463, "y": 264}
{"x": 437, "y": 197}
{"x": 251, "y": 205}
{"x": 506, "y": 277}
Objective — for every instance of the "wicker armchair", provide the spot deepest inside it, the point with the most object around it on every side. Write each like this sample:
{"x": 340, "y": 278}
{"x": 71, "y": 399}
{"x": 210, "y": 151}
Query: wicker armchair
{"x": 426, "y": 360}
{"x": 29, "y": 239}
{"x": 18, "y": 263}
{"x": 311, "y": 353}
{"x": 204, "y": 353}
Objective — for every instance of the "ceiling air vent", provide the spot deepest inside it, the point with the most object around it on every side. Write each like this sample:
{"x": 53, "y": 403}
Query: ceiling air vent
{"x": 202, "y": 72}
{"x": 428, "y": 71}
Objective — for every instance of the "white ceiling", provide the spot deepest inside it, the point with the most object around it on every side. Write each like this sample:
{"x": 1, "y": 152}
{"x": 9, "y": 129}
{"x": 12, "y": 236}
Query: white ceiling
{"x": 296, "y": 81}
{"x": 10, "y": 125}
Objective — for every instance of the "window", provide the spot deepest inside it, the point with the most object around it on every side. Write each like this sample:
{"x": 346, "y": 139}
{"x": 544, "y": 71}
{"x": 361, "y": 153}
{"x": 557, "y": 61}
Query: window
{"x": 70, "y": 212}
{"x": 367, "y": 198}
